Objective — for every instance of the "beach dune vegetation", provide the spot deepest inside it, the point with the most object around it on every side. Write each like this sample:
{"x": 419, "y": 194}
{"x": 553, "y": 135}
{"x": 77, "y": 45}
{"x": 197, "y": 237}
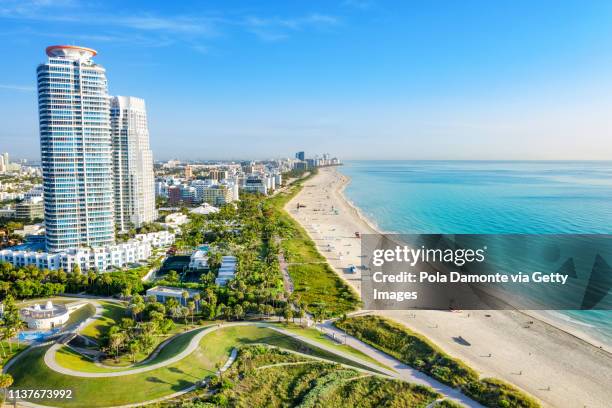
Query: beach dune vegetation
{"x": 419, "y": 352}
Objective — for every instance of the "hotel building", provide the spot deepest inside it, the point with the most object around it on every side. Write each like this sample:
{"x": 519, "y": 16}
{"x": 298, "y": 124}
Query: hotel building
{"x": 132, "y": 163}
{"x": 75, "y": 143}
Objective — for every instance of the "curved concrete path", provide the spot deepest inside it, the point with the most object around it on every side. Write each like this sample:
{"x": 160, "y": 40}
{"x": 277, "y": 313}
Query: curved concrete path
{"x": 193, "y": 344}
{"x": 399, "y": 370}
{"x": 402, "y": 371}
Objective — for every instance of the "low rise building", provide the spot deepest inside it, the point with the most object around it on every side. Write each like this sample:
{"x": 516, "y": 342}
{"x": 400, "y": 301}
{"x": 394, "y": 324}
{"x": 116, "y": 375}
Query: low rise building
{"x": 32, "y": 229}
{"x": 49, "y": 315}
{"x": 199, "y": 259}
{"x": 254, "y": 184}
{"x": 99, "y": 259}
{"x": 30, "y": 209}
{"x": 163, "y": 293}
{"x": 204, "y": 209}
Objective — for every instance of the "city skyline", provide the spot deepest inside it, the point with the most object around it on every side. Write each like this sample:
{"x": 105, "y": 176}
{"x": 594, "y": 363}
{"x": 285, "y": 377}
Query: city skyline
{"x": 522, "y": 81}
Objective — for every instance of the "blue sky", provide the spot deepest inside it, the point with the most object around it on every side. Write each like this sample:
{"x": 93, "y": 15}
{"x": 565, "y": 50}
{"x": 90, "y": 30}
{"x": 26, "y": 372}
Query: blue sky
{"x": 357, "y": 78}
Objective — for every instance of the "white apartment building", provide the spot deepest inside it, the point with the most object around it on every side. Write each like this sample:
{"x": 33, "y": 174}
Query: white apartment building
{"x": 134, "y": 183}
{"x": 99, "y": 258}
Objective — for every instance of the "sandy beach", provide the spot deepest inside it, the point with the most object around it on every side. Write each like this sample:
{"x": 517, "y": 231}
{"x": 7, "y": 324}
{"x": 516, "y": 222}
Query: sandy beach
{"x": 551, "y": 363}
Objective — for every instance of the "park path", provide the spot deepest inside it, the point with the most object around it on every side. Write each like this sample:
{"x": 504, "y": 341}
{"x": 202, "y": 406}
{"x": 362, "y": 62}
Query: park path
{"x": 193, "y": 344}
{"x": 50, "y": 355}
{"x": 399, "y": 370}
{"x": 403, "y": 371}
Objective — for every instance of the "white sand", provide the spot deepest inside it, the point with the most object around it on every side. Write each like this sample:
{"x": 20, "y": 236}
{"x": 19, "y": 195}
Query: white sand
{"x": 554, "y": 365}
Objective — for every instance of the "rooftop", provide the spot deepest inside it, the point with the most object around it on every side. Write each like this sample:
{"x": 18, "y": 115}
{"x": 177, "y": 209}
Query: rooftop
{"x": 72, "y": 52}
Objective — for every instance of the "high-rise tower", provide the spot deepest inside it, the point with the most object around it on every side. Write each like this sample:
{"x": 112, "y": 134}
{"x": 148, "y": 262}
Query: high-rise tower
{"x": 75, "y": 144}
{"x": 132, "y": 163}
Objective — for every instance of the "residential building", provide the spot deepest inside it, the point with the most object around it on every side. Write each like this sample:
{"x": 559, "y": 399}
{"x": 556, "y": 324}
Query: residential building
{"x": 188, "y": 172}
{"x": 76, "y": 149}
{"x": 301, "y": 165}
{"x": 32, "y": 229}
{"x": 99, "y": 258}
{"x": 217, "y": 194}
{"x": 30, "y": 209}
{"x": 255, "y": 184}
{"x": 174, "y": 195}
{"x": 132, "y": 163}
{"x": 199, "y": 259}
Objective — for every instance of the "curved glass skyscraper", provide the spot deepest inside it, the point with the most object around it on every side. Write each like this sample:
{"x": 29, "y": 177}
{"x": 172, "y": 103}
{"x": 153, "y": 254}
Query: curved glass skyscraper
{"x": 76, "y": 150}
{"x": 132, "y": 163}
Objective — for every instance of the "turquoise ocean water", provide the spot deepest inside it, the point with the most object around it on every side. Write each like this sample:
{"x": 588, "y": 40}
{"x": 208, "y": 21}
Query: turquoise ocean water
{"x": 489, "y": 197}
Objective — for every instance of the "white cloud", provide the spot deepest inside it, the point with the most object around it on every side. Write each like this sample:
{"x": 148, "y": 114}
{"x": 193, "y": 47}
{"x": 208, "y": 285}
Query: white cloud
{"x": 22, "y": 88}
{"x": 154, "y": 30}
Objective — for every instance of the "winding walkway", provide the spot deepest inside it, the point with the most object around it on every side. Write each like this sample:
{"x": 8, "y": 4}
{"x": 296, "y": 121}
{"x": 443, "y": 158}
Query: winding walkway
{"x": 52, "y": 363}
{"x": 402, "y": 371}
{"x": 399, "y": 370}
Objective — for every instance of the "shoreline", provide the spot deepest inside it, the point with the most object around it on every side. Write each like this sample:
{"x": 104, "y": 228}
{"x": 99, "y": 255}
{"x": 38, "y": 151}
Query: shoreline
{"x": 538, "y": 360}
{"x": 543, "y": 315}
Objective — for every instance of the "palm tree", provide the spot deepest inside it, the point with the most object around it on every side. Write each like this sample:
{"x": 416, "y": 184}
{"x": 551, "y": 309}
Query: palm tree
{"x": 196, "y": 299}
{"x": 10, "y": 321}
{"x": 191, "y": 307}
{"x": 288, "y": 313}
{"x": 184, "y": 296}
{"x": 137, "y": 308}
{"x": 107, "y": 280}
{"x": 6, "y": 380}
{"x": 116, "y": 341}
{"x": 134, "y": 348}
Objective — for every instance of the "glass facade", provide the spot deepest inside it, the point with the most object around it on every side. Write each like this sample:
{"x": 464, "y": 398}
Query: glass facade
{"x": 132, "y": 163}
{"x": 76, "y": 149}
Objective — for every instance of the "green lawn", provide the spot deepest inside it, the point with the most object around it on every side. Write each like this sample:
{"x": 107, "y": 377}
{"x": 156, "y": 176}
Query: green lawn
{"x": 220, "y": 342}
{"x": 125, "y": 359}
{"x": 319, "y": 286}
{"x": 316, "y": 335}
{"x": 66, "y": 357}
{"x": 316, "y": 283}
{"x": 32, "y": 372}
{"x": 81, "y": 314}
{"x": 6, "y": 354}
{"x": 113, "y": 312}
{"x": 299, "y": 250}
